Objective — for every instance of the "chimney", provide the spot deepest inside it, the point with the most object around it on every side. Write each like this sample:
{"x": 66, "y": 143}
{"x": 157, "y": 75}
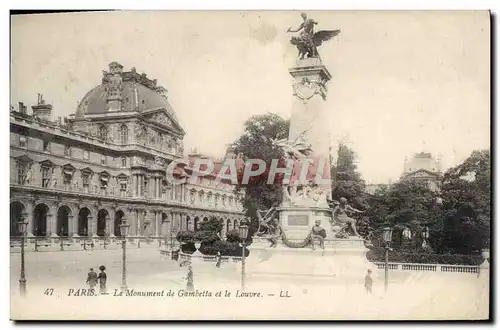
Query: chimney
{"x": 42, "y": 110}
{"x": 22, "y": 108}
{"x": 114, "y": 87}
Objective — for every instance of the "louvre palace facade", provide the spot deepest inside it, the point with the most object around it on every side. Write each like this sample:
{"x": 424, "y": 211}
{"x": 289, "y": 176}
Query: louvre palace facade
{"x": 84, "y": 174}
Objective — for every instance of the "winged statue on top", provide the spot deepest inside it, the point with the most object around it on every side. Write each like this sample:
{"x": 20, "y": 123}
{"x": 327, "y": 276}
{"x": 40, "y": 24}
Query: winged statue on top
{"x": 307, "y": 42}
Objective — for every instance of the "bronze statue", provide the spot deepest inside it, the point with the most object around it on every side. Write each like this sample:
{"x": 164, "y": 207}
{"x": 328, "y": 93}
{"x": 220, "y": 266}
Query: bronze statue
{"x": 308, "y": 41}
{"x": 319, "y": 233}
{"x": 340, "y": 213}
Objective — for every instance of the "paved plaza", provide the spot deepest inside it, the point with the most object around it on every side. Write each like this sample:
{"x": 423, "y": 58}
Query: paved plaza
{"x": 416, "y": 295}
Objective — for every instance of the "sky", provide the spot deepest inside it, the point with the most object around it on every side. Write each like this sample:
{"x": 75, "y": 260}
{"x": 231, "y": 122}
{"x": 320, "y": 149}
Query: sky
{"x": 402, "y": 82}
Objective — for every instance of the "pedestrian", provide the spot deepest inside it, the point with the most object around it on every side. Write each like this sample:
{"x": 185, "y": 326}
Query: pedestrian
{"x": 218, "y": 260}
{"x": 368, "y": 281}
{"x": 91, "y": 279}
{"x": 189, "y": 278}
{"x": 102, "y": 280}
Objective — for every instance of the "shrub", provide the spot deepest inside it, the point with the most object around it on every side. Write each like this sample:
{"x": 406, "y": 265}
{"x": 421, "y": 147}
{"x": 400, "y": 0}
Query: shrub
{"x": 424, "y": 257}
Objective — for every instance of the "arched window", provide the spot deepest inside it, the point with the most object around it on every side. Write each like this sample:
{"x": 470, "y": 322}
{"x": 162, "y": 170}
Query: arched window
{"x": 103, "y": 132}
{"x": 124, "y": 134}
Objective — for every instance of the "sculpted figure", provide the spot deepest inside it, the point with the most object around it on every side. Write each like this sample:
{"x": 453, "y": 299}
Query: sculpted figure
{"x": 340, "y": 213}
{"x": 318, "y": 233}
{"x": 29, "y": 175}
{"x": 294, "y": 149}
{"x": 307, "y": 41}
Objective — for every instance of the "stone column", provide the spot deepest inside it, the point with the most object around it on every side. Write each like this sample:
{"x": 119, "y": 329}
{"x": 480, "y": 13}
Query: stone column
{"x": 71, "y": 224}
{"x": 157, "y": 222}
{"x": 111, "y": 228}
{"x": 134, "y": 185}
{"x": 131, "y": 221}
{"x": 52, "y": 221}
{"x": 29, "y": 212}
{"x": 144, "y": 218}
{"x": 136, "y": 221}
{"x": 92, "y": 222}
{"x": 107, "y": 224}
{"x": 158, "y": 187}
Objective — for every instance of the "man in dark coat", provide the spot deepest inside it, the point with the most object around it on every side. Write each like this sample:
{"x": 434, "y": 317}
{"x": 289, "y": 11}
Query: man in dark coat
{"x": 91, "y": 279}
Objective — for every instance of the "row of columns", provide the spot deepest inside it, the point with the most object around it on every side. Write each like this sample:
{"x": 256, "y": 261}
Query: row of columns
{"x": 155, "y": 222}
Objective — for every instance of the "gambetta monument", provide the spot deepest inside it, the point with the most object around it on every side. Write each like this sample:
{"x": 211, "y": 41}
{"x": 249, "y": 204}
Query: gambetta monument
{"x": 305, "y": 235}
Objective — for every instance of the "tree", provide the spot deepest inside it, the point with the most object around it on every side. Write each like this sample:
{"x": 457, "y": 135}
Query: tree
{"x": 347, "y": 183}
{"x": 346, "y": 180}
{"x": 406, "y": 204}
{"x": 466, "y": 194}
{"x": 209, "y": 237}
{"x": 256, "y": 143}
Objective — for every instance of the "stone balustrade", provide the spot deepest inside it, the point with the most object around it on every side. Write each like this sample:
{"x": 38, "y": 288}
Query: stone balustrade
{"x": 53, "y": 244}
{"x": 200, "y": 257}
{"x": 429, "y": 267}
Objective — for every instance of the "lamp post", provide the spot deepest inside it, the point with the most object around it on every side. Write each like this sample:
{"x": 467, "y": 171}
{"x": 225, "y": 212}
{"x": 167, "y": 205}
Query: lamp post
{"x": 22, "y": 225}
{"x": 243, "y": 231}
{"x": 123, "y": 231}
{"x": 387, "y": 232}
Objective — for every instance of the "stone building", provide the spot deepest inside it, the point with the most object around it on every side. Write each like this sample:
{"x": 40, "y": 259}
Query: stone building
{"x": 423, "y": 167}
{"x": 83, "y": 175}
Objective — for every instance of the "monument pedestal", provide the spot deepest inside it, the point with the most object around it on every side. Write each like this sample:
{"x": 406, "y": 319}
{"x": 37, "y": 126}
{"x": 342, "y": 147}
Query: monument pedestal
{"x": 342, "y": 260}
{"x": 297, "y": 221}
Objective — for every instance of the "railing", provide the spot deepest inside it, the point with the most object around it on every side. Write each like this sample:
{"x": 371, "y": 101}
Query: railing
{"x": 429, "y": 267}
{"x": 208, "y": 258}
{"x": 64, "y": 243}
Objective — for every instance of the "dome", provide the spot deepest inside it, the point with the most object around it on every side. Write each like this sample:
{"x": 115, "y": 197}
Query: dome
{"x": 124, "y": 92}
{"x": 422, "y": 161}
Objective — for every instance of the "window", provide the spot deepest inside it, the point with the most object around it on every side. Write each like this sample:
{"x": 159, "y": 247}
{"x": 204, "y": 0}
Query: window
{"x": 104, "y": 181}
{"x": 45, "y": 177}
{"x": 22, "y": 169}
{"x": 103, "y": 133}
{"x": 124, "y": 161}
{"x": 67, "y": 178}
{"x": 124, "y": 134}
{"x": 22, "y": 141}
{"x": 123, "y": 184}
{"x": 85, "y": 155}
{"x": 103, "y": 160}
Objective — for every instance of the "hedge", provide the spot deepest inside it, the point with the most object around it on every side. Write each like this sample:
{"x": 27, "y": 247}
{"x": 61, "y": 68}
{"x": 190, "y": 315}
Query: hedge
{"x": 424, "y": 257}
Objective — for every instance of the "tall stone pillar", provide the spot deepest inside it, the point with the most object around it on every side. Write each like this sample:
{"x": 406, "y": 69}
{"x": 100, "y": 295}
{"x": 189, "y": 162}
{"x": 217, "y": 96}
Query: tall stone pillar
{"x": 71, "y": 225}
{"x": 29, "y": 212}
{"x": 137, "y": 226}
{"x": 309, "y": 115}
{"x": 107, "y": 228}
{"x": 131, "y": 221}
{"x": 52, "y": 221}
{"x": 309, "y": 121}
{"x": 156, "y": 223}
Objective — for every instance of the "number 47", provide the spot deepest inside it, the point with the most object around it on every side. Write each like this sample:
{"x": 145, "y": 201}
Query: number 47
{"x": 48, "y": 292}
